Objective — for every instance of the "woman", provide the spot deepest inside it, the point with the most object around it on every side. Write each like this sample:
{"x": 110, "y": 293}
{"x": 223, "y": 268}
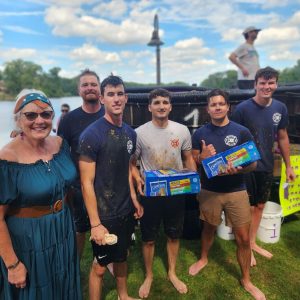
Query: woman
{"x": 38, "y": 258}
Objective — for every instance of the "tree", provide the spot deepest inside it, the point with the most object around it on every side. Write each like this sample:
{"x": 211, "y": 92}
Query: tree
{"x": 222, "y": 80}
{"x": 289, "y": 75}
{"x": 19, "y": 74}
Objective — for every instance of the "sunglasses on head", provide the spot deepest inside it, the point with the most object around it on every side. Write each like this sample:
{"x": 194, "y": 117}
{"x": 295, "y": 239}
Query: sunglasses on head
{"x": 31, "y": 116}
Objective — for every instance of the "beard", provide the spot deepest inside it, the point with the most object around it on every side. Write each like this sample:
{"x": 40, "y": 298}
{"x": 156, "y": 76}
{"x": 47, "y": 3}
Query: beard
{"x": 92, "y": 101}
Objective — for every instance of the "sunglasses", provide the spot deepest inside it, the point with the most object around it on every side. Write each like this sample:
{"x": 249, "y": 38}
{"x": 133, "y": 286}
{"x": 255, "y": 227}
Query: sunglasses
{"x": 46, "y": 115}
{"x": 64, "y": 110}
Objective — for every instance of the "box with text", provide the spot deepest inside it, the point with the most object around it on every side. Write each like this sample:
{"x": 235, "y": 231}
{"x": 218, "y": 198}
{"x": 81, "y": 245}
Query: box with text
{"x": 171, "y": 182}
{"x": 241, "y": 155}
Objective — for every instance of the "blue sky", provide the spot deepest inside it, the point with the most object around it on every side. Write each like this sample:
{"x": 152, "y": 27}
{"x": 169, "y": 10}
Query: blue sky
{"x": 112, "y": 36}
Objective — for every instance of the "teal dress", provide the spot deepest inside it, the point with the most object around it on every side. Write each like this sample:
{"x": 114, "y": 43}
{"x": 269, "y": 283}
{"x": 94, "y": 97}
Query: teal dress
{"x": 46, "y": 245}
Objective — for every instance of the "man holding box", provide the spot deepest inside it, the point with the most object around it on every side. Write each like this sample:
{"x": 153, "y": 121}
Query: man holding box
{"x": 267, "y": 119}
{"x": 162, "y": 144}
{"x": 227, "y": 191}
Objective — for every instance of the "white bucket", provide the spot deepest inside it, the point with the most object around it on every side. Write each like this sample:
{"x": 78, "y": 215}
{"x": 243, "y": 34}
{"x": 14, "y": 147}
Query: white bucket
{"x": 270, "y": 224}
{"x": 223, "y": 231}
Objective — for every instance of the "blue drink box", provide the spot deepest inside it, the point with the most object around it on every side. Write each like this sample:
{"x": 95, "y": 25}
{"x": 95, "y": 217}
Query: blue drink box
{"x": 241, "y": 155}
{"x": 171, "y": 182}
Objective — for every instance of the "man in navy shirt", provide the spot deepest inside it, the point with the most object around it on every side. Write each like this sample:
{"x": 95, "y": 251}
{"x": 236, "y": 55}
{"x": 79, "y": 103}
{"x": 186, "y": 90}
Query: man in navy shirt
{"x": 70, "y": 128}
{"x": 225, "y": 192}
{"x": 105, "y": 149}
{"x": 267, "y": 119}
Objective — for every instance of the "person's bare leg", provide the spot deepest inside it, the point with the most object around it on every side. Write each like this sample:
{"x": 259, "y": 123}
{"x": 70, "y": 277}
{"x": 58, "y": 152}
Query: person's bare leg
{"x": 256, "y": 215}
{"x": 207, "y": 239}
{"x": 95, "y": 281}
{"x": 80, "y": 241}
{"x": 148, "y": 254}
{"x": 244, "y": 259}
{"x": 172, "y": 250}
{"x": 120, "y": 271}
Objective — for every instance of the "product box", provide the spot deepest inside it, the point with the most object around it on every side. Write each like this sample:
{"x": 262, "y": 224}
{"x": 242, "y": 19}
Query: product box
{"x": 171, "y": 182}
{"x": 241, "y": 155}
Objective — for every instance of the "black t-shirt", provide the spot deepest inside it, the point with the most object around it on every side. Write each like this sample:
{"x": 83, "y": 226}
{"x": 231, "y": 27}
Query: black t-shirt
{"x": 263, "y": 123}
{"x": 222, "y": 138}
{"x": 72, "y": 125}
{"x": 110, "y": 147}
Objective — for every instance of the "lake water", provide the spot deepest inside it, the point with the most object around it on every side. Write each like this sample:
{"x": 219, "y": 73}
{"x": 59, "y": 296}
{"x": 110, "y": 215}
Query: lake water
{"x": 6, "y": 115}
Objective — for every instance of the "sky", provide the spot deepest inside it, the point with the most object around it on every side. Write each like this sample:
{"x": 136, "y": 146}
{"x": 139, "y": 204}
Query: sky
{"x": 111, "y": 36}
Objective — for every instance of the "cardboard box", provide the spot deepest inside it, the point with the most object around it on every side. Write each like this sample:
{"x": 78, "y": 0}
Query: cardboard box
{"x": 241, "y": 155}
{"x": 171, "y": 182}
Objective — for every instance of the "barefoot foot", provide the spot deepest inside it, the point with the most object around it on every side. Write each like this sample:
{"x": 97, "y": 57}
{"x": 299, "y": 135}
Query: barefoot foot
{"x": 253, "y": 290}
{"x": 261, "y": 251}
{"x": 197, "y": 267}
{"x": 253, "y": 260}
{"x": 145, "y": 287}
{"x": 178, "y": 284}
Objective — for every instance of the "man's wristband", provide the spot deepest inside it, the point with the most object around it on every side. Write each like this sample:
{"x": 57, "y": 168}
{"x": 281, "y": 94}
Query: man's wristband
{"x": 96, "y": 225}
{"x": 13, "y": 266}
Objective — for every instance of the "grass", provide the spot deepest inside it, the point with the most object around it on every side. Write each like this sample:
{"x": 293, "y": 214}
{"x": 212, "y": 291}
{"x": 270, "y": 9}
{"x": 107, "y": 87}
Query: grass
{"x": 278, "y": 278}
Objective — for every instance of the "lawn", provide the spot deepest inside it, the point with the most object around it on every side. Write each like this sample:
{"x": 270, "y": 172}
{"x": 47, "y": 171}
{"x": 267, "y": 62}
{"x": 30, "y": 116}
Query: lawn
{"x": 279, "y": 277}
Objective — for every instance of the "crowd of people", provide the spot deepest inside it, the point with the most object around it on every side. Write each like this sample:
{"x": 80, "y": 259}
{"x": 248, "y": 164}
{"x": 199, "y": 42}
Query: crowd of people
{"x": 54, "y": 189}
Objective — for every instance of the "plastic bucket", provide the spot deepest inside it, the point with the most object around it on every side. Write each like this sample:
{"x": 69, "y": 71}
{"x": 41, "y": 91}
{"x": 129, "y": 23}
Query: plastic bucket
{"x": 270, "y": 224}
{"x": 223, "y": 231}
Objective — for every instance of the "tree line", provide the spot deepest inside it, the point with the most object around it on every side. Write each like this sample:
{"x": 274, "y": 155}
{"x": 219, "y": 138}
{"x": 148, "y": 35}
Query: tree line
{"x": 18, "y": 74}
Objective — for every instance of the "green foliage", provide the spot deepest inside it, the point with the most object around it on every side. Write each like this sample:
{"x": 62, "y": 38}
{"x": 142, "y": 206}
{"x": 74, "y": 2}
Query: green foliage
{"x": 290, "y": 75}
{"x": 19, "y": 74}
{"x": 222, "y": 80}
{"x": 278, "y": 277}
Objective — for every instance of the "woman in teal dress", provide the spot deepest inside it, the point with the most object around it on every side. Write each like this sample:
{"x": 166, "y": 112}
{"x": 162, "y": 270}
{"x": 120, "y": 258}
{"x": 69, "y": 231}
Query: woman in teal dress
{"x": 38, "y": 258}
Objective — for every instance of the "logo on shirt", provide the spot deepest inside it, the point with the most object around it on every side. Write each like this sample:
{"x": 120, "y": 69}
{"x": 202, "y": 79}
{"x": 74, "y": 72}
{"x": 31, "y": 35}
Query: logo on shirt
{"x": 276, "y": 118}
{"x": 129, "y": 146}
{"x": 175, "y": 143}
{"x": 230, "y": 140}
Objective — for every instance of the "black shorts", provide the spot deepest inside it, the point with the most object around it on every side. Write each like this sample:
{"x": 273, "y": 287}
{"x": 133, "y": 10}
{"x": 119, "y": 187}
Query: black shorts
{"x": 123, "y": 228}
{"x": 246, "y": 84}
{"x": 259, "y": 186}
{"x": 169, "y": 209}
{"x": 80, "y": 215}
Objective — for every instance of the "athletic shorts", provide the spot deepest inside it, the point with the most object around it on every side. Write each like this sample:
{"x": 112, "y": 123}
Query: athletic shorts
{"x": 235, "y": 206}
{"x": 170, "y": 210}
{"x": 123, "y": 228}
{"x": 80, "y": 215}
{"x": 259, "y": 186}
{"x": 245, "y": 84}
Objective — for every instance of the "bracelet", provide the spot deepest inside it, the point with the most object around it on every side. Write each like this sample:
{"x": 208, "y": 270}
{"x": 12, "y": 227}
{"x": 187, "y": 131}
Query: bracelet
{"x": 13, "y": 266}
{"x": 96, "y": 225}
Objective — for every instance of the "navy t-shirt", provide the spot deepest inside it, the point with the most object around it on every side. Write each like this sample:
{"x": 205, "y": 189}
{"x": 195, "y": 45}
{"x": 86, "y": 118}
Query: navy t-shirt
{"x": 263, "y": 123}
{"x": 222, "y": 138}
{"x": 110, "y": 147}
{"x": 72, "y": 125}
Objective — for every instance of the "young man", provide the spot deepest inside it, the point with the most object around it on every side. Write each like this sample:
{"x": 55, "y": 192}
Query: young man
{"x": 225, "y": 192}
{"x": 267, "y": 120}
{"x": 162, "y": 144}
{"x": 70, "y": 128}
{"x": 105, "y": 148}
{"x": 245, "y": 57}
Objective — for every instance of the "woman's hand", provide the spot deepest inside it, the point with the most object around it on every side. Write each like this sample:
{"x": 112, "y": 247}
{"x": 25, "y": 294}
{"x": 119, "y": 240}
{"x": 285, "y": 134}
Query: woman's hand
{"x": 17, "y": 276}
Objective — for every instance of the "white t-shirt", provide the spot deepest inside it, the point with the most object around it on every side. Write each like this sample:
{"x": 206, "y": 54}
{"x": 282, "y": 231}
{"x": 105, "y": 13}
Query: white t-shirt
{"x": 160, "y": 148}
{"x": 249, "y": 58}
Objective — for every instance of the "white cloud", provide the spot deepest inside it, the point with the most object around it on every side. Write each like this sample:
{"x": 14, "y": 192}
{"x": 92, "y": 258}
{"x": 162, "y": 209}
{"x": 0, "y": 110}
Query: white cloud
{"x": 91, "y": 53}
{"x": 112, "y": 10}
{"x": 14, "y": 53}
{"x": 285, "y": 55}
{"x": 20, "y": 29}
{"x": 73, "y": 22}
{"x": 273, "y": 36}
{"x": 20, "y": 14}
